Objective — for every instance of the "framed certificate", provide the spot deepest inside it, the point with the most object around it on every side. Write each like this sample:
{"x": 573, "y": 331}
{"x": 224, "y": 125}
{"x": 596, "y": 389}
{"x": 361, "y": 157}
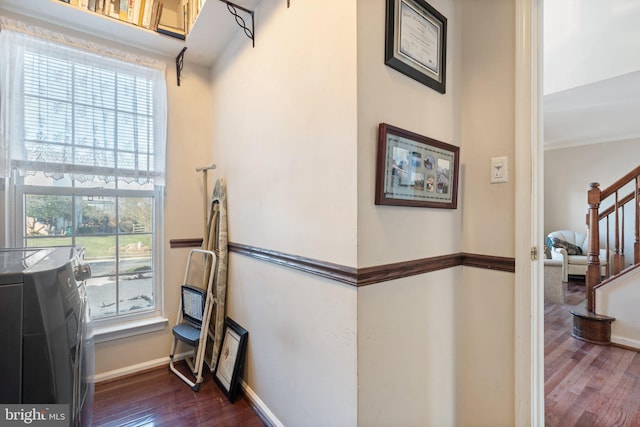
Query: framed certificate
{"x": 413, "y": 170}
{"x": 416, "y": 42}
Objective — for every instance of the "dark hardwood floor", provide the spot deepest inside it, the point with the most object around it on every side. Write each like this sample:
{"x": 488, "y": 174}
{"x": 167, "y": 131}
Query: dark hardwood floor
{"x": 586, "y": 384}
{"x": 159, "y": 398}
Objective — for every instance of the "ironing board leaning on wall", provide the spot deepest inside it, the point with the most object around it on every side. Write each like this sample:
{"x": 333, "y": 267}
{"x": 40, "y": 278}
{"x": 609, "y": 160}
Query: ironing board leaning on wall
{"x": 216, "y": 241}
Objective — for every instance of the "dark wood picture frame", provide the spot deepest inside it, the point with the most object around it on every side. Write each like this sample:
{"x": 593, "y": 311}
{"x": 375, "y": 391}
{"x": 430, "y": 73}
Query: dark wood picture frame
{"x": 416, "y": 42}
{"x": 414, "y": 170}
{"x": 231, "y": 359}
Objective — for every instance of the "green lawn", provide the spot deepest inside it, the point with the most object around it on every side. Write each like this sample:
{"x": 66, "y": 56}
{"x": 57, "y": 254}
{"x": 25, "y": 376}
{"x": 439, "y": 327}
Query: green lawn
{"x": 100, "y": 246}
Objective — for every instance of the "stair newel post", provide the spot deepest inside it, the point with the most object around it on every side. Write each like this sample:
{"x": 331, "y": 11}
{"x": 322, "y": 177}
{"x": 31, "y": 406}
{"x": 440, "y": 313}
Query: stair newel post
{"x": 593, "y": 266}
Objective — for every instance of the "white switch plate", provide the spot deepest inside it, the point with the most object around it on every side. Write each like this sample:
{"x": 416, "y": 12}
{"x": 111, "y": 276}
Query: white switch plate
{"x": 499, "y": 169}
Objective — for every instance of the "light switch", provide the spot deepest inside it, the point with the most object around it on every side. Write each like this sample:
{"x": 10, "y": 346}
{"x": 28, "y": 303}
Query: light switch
{"x": 499, "y": 169}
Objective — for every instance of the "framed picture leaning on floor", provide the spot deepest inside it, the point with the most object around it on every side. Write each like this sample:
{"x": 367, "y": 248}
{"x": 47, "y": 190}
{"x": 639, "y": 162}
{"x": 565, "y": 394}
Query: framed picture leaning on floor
{"x": 231, "y": 358}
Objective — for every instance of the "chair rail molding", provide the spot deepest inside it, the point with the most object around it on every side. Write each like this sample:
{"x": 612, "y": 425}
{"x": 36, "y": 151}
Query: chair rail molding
{"x": 365, "y": 275}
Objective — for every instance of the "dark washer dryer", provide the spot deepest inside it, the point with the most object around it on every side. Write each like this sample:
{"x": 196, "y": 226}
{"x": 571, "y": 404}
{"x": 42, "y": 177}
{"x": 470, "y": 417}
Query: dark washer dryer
{"x": 46, "y": 340}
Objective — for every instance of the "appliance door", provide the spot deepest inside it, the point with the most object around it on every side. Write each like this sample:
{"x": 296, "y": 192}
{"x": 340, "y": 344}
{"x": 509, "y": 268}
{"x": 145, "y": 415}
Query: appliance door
{"x": 11, "y": 343}
{"x": 84, "y": 368}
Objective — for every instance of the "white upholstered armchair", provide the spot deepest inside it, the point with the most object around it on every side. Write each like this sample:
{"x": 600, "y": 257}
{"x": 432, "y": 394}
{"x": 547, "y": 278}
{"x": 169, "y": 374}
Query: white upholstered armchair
{"x": 572, "y": 248}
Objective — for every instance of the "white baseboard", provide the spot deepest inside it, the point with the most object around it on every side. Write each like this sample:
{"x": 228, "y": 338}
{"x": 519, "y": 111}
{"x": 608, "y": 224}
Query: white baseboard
{"x": 128, "y": 370}
{"x": 625, "y": 342}
{"x": 259, "y": 407}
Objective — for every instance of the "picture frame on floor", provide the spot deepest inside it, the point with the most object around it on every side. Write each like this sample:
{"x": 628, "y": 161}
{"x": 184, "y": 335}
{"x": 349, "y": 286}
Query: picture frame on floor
{"x": 231, "y": 358}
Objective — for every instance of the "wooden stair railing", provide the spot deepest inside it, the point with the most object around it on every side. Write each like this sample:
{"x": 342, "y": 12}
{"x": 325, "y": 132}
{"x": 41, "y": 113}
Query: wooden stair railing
{"x": 614, "y": 266}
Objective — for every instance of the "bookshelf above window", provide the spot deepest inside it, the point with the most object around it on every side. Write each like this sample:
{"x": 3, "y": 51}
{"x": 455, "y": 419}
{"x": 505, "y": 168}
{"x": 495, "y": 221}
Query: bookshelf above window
{"x": 209, "y": 27}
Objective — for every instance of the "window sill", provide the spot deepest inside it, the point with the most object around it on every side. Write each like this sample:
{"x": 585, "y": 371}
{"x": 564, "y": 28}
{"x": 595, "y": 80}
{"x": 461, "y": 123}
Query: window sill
{"x": 128, "y": 329}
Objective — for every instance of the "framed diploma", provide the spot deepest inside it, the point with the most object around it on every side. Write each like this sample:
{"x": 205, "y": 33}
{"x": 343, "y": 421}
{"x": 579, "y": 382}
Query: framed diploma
{"x": 413, "y": 170}
{"x": 416, "y": 42}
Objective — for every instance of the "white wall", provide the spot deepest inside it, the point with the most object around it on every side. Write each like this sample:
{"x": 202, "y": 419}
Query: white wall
{"x": 568, "y": 173}
{"x": 583, "y": 41}
{"x": 284, "y": 132}
{"x": 620, "y": 301}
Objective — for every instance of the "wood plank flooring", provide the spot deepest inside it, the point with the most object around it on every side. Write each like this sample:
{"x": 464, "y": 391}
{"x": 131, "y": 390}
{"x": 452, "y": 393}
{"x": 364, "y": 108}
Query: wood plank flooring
{"x": 586, "y": 384}
{"x": 158, "y": 398}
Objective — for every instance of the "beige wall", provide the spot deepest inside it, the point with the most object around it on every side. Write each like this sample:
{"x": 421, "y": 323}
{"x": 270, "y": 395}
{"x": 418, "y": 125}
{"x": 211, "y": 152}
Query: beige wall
{"x": 284, "y": 126}
{"x": 442, "y": 374}
{"x": 448, "y": 359}
{"x": 388, "y": 234}
{"x": 407, "y": 355}
{"x": 486, "y": 326}
{"x": 284, "y": 118}
{"x": 488, "y": 88}
{"x": 486, "y": 332}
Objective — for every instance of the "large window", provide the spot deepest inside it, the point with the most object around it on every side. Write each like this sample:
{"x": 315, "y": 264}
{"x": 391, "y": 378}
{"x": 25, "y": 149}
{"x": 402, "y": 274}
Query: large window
{"x": 116, "y": 228}
{"x": 86, "y": 142}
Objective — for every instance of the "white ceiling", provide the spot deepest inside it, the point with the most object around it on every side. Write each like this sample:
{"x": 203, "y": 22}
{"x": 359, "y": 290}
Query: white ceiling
{"x": 591, "y": 72}
{"x": 607, "y": 110}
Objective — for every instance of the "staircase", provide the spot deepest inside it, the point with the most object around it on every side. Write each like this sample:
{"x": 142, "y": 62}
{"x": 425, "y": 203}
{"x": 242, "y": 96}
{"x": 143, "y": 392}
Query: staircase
{"x": 607, "y": 296}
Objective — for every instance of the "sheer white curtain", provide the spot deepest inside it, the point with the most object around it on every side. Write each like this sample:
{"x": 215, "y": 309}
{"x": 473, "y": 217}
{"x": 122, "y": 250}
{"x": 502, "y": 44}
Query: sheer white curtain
{"x": 68, "y": 106}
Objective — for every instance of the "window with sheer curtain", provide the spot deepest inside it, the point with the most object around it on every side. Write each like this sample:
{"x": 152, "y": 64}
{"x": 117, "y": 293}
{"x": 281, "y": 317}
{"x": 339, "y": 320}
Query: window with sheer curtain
{"x": 82, "y": 133}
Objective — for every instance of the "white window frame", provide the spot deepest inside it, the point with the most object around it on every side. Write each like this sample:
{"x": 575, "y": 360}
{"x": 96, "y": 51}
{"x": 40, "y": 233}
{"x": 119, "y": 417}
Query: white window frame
{"x": 121, "y": 325}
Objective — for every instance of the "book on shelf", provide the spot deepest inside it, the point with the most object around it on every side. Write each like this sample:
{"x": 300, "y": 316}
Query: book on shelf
{"x": 112, "y": 9}
{"x": 140, "y": 5}
{"x": 146, "y": 14}
{"x": 156, "y": 14}
{"x": 130, "y": 9}
{"x": 169, "y": 17}
{"x": 124, "y": 10}
{"x": 138, "y": 10}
